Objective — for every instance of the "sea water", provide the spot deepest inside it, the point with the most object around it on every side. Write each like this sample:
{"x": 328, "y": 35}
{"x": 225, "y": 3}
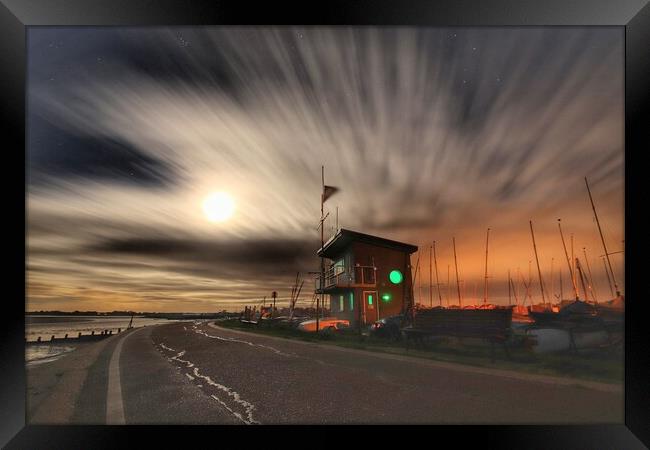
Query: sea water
{"x": 58, "y": 326}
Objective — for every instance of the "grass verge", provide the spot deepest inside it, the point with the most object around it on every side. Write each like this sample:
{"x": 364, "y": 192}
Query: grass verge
{"x": 597, "y": 365}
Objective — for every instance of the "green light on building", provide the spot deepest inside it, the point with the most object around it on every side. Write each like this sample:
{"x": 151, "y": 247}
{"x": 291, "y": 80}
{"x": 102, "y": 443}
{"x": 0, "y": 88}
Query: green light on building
{"x": 396, "y": 277}
{"x": 386, "y": 297}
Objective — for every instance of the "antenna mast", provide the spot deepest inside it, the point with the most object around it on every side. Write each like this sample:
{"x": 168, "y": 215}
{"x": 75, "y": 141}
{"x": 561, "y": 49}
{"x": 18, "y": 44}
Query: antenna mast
{"x": 322, "y": 244}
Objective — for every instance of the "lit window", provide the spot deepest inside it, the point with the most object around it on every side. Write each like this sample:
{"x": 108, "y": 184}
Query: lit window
{"x": 351, "y": 301}
{"x": 370, "y": 299}
{"x": 341, "y": 303}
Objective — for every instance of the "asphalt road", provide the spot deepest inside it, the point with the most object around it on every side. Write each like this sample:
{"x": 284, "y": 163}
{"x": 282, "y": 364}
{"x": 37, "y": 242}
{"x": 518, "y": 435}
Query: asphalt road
{"x": 196, "y": 373}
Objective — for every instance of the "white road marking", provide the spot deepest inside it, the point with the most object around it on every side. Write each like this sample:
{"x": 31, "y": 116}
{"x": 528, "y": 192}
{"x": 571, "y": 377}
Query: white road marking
{"x": 167, "y": 348}
{"x": 114, "y": 403}
{"x": 252, "y": 344}
{"x": 233, "y": 395}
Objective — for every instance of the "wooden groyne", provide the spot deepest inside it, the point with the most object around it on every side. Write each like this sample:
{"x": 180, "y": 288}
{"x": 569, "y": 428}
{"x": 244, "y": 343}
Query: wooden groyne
{"x": 71, "y": 339}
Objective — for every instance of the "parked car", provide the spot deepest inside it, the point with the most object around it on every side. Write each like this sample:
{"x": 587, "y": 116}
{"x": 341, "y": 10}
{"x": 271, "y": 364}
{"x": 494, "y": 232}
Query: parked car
{"x": 388, "y": 327}
{"x": 331, "y": 323}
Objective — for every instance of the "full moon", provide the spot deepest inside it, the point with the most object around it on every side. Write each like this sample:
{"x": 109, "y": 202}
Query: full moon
{"x": 218, "y": 207}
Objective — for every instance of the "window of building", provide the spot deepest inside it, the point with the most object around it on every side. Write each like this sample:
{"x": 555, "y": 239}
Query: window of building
{"x": 339, "y": 266}
{"x": 341, "y": 303}
{"x": 351, "y": 301}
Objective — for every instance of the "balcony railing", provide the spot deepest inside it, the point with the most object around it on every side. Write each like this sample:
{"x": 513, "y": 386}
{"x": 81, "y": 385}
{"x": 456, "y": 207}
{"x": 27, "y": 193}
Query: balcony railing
{"x": 357, "y": 276}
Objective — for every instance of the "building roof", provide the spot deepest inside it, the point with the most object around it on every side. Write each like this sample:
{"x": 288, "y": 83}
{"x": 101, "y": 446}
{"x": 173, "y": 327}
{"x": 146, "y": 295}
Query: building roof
{"x": 342, "y": 240}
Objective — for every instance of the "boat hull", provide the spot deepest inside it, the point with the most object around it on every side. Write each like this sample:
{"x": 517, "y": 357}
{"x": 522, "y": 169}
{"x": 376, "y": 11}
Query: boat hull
{"x": 550, "y": 340}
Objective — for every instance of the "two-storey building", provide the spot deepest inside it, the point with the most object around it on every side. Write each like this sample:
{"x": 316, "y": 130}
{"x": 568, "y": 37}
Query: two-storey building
{"x": 367, "y": 277}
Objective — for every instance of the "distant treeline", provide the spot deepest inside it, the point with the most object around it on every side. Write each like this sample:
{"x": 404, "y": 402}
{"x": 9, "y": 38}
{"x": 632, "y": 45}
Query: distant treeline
{"x": 218, "y": 315}
{"x": 152, "y": 315}
{"x": 83, "y": 313}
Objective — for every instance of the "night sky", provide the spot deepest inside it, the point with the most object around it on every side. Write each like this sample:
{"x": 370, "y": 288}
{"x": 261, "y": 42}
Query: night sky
{"x": 428, "y": 132}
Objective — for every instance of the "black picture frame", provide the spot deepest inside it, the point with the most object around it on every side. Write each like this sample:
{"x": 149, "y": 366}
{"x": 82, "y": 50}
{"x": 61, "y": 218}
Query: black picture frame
{"x": 633, "y": 15}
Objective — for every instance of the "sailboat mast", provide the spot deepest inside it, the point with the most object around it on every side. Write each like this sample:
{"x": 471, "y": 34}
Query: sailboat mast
{"x": 539, "y": 271}
{"x": 529, "y": 292}
{"x": 618, "y": 292}
{"x": 448, "y": 284}
{"x": 430, "y": 277}
{"x": 568, "y": 261}
{"x": 514, "y": 291}
{"x": 460, "y": 304}
{"x": 609, "y": 281}
{"x": 582, "y": 278}
{"x": 509, "y": 289}
{"x": 518, "y": 285}
{"x": 590, "y": 279}
{"x": 420, "y": 287}
{"x": 435, "y": 262}
{"x": 485, "y": 287}
{"x": 552, "y": 286}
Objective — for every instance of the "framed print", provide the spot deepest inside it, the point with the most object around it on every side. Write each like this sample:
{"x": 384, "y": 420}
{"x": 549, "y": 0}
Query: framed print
{"x": 360, "y": 213}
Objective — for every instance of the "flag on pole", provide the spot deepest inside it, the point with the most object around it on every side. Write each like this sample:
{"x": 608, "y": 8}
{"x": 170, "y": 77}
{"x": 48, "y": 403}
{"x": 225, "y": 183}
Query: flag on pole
{"x": 328, "y": 191}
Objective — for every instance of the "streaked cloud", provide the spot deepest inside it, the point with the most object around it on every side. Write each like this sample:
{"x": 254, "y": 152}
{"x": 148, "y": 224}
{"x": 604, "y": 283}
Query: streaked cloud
{"x": 430, "y": 133}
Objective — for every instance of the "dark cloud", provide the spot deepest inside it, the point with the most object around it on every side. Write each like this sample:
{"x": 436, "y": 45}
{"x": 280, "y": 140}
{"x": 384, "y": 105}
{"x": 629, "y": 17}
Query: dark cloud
{"x": 256, "y": 256}
{"x": 57, "y": 153}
